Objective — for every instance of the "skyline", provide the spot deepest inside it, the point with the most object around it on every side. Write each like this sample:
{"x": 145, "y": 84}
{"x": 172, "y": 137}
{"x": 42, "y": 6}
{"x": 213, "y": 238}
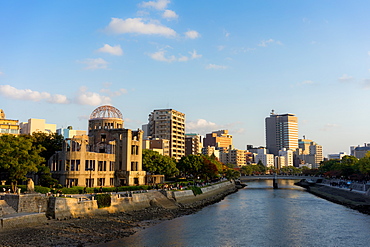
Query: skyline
{"x": 224, "y": 66}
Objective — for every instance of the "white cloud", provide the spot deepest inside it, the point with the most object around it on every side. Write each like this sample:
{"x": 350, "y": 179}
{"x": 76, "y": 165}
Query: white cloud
{"x": 329, "y": 127}
{"x": 1, "y": 73}
{"x": 119, "y": 92}
{"x": 220, "y": 47}
{"x": 159, "y": 56}
{"x": 27, "y": 94}
{"x": 192, "y": 34}
{"x": 183, "y": 59}
{"x": 94, "y": 63}
{"x": 307, "y": 82}
{"x": 159, "y": 4}
{"x": 215, "y": 66}
{"x": 90, "y": 98}
{"x": 201, "y": 126}
{"x": 114, "y": 50}
{"x": 194, "y": 55}
{"x": 366, "y": 83}
{"x": 243, "y": 50}
{"x": 368, "y": 53}
{"x": 138, "y": 26}
{"x": 58, "y": 99}
{"x": 169, "y": 14}
{"x": 345, "y": 78}
{"x": 264, "y": 43}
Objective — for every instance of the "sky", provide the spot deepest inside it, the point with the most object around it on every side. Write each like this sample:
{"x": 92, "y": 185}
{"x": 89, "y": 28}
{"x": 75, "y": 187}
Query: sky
{"x": 225, "y": 64}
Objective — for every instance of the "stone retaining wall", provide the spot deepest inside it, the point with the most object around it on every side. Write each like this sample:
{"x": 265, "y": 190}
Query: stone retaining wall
{"x": 27, "y": 203}
{"x": 23, "y": 220}
{"x": 68, "y": 207}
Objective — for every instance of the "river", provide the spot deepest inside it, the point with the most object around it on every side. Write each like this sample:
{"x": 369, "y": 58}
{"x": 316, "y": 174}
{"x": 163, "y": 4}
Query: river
{"x": 261, "y": 216}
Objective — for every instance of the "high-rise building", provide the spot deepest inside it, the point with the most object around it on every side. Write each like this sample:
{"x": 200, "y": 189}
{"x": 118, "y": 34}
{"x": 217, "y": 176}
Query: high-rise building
{"x": 309, "y": 152}
{"x": 218, "y": 139}
{"x": 8, "y": 126}
{"x": 169, "y": 124}
{"x": 234, "y": 156}
{"x": 281, "y": 132}
{"x": 193, "y": 144}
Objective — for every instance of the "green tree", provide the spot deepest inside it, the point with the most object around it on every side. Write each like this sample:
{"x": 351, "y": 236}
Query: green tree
{"x": 190, "y": 165}
{"x": 51, "y": 143}
{"x": 261, "y": 167}
{"x": 18, "y": 156}
{"x": 232, "y": 174}
{"x": 247, "y": 170}
{"x": 364, "y": 164}
{"x": 158, "y": 164}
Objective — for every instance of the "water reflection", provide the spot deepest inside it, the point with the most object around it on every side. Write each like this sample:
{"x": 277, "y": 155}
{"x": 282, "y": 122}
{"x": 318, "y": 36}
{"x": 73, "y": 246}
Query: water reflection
{"x": 260, "y": 216}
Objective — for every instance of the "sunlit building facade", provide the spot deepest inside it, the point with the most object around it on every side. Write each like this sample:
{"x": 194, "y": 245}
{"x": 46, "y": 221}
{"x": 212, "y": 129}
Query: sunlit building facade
{"x": 281, "y": 132}
{"x": 8, "y": 126}
{"x": 168, "y": 124}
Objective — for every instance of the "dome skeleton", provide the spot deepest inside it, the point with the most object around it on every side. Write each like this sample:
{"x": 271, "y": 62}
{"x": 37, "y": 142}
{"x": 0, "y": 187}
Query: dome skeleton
{"x": 106, "y": 111}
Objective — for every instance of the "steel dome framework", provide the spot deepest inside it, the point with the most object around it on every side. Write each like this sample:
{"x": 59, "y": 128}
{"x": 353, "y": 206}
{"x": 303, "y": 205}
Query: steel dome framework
{"x": 106, "y": 111}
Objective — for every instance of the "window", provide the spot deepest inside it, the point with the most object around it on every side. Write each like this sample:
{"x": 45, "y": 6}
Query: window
{"x": 134, "y": 150}
{"x": 101, "y": 181}
{"x": 134, "y": 166}
{"x": 89, "y": 182}
{"x": 102, "y": 166}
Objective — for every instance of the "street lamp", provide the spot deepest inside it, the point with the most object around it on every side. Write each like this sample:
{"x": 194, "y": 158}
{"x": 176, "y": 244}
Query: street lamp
{"x": 90, "y": 169}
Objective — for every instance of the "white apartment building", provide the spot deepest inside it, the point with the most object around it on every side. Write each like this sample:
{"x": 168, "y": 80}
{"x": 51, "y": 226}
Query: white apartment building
{"x": 169, "y": 124}
{"x": 288, "y": 157}
{"x": 266, "y": 159}
{"x": 37, "y": 125}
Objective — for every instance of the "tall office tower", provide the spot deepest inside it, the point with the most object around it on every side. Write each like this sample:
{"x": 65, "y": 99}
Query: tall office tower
{"x": 193, "y": 144}
{"x": 218, "y": 139}
{"x": 281, "y": 132}
{"x": 169, "y": 124}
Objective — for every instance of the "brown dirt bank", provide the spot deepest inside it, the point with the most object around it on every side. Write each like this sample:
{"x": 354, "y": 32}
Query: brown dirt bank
{"x": 351, "y": 199}
{"x": 100, "y": 228}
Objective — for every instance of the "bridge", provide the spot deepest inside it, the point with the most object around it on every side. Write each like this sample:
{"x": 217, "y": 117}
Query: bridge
{"x": 264, "y": 177}
{"x": 275, "y": 178}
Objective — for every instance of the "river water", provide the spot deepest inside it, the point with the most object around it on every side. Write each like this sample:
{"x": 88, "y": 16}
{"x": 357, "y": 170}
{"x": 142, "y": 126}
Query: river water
{"x": 261, "y": 216}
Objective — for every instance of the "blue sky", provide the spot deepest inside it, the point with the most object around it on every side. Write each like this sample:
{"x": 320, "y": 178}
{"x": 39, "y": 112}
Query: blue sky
{"x": 225, "y": 64}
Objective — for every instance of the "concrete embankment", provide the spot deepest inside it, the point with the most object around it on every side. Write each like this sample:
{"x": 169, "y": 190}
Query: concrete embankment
{"x": 352, "y": 199}
{"x": 62, "y": 208}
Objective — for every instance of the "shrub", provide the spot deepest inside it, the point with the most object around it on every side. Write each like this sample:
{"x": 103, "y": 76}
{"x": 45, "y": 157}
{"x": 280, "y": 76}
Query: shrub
{"x": 104, "y": 200}
{"x": 42, "y": 190}
{"x": 196, "y": 190}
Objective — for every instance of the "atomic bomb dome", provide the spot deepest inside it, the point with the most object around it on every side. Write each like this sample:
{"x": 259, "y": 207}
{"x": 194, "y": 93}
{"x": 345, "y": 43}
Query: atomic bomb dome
{"x": 106, "y": 111}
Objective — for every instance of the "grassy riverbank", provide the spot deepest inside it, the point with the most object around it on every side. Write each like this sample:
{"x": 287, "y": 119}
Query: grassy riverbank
{"x": 100, "y": 228}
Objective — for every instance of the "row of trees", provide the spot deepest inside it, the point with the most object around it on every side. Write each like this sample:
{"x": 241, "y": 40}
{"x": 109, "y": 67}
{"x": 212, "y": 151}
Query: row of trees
{"x": 348, "y": 167}
{"x": 25, "y": 154}
{"x": 190, "y": 166}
